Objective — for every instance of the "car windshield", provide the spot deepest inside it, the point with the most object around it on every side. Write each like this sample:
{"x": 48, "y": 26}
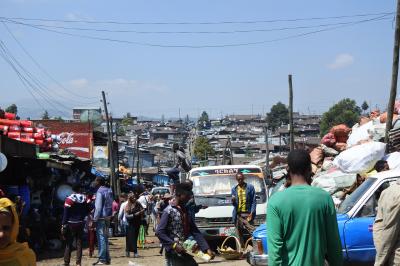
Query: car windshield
{"x": 354, "y": 197}
{"x": 211, "y": 185}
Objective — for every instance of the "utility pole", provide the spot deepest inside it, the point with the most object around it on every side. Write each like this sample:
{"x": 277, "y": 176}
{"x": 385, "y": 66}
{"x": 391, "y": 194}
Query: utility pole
{"x": 117, "y": 181}
{"x": 266, "y": 152}
{"x": 137, "y": 160}
{"x": 110, "y": 146}
{"x": 395, "y": 72}
{"x": 291, "y": 129}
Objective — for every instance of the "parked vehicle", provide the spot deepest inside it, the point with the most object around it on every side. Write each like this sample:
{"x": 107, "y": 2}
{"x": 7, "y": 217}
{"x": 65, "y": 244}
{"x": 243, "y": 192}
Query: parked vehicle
{"x": 212, "y": 188}
{"x": 160, "y": 190}
{"x": 355, "y": 218}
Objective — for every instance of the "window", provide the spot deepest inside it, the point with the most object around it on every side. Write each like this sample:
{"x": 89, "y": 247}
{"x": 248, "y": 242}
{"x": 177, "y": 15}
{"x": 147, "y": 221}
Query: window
{"x": 371, "y": 206}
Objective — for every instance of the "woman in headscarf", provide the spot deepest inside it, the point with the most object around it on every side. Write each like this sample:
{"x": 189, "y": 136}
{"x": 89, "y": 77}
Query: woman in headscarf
{"x": 134, "y": 214}
{"x": 11, "y": 252}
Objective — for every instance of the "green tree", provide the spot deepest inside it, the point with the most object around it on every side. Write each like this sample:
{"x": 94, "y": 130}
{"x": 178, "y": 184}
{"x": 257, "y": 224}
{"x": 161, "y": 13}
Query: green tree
{"x": 364, "y": 106}
{"x": 121, "y": 131}
{"x": 12, "y": 109}
{"x": 278, "y": 115}
{"x": 202, "y": 148}
{"x": 59, "y": 118}
{"x": 45, "y": 115}
{"x": 345, "y": 111}
{"x": 204, "y": 121}
{"x": 127, "y": 120}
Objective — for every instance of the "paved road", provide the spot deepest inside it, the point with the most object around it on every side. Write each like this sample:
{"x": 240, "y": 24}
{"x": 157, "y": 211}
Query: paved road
{"x": 148, "y": 256}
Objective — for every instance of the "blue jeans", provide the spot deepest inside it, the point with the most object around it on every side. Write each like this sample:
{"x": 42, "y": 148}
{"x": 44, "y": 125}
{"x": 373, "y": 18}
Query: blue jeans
{"x": 102, "y": 240}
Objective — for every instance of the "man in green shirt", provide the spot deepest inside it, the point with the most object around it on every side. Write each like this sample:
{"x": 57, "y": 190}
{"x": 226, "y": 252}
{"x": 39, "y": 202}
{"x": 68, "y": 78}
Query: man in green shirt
{"x": 302, "y": 228}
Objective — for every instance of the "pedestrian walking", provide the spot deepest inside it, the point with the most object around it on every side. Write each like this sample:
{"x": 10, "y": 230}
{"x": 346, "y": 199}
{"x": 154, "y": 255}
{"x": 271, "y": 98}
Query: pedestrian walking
{"x": 12, "y": 252}
{"x": 163, "y": 204}
{"x": 302, "y": 227}
{"x": 76, "y": 208}
{"x": 387, "y": 227}
{"x": 244, "y": 207}
{"x": 101, "y": 219}
{"x": 121, "y": 214}
{"x": 134, "y": 214}
{"x": 176, "y": 226}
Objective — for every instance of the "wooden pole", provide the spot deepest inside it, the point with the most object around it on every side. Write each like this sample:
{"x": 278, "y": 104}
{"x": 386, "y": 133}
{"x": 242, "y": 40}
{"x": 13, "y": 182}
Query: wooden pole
{"x": 291, "y": 129}
{"x": 266, "y": 152}
{"x": 110, "y": 146}
{"x": 137, "y": 159}
{"x": 395, "y": 72}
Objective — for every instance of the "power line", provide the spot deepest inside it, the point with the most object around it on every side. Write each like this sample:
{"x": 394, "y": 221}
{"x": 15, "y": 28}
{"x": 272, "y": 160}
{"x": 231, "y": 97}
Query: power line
{"x": 181, "y": 32}
{"x": 42, "y": 69}
{"x": 20, "y": 78}
{"x": 199, "y": 23}
{"x": 36, "y": 88}
{"x": 32, "y": 77}
{"x": 383, "y": 17}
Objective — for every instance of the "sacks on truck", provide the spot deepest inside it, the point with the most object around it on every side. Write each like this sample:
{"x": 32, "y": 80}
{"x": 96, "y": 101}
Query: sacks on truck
{"x": 359, "y": 133}
{"x": 360, "y": 159}
{"x": 333, "y": 180}
{"x": 317, "y": 155}
{"x": 341, "y": 132}
{"x": 329, "y": 140}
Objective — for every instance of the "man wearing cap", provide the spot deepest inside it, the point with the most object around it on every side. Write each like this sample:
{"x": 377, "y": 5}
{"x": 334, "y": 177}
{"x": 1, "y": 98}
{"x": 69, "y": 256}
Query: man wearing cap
{"x": 244, "y": 203}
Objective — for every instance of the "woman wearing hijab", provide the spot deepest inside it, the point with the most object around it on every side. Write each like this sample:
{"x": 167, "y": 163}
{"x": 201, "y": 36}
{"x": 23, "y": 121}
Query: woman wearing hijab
{"x": 134, "y": 215}
{"x": 11, "y": 252}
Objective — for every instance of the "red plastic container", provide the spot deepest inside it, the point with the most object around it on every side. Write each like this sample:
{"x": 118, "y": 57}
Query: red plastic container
{"x": 8, "y": 122}
{"x": 39, "y": 141}
{"x": 4, "y": 128}
{"x": 26, "y": 123}
{"x": 14, "y": 128}
{"x": 31, "y": 141}
{"x": 38, "y": 136}
{"x": 39, "y": 130}
{"x": 27, "y": 129}
{"x": 27, "y": 135}
{"x": 14, "y": 134}
{"x": 10, "y": 116}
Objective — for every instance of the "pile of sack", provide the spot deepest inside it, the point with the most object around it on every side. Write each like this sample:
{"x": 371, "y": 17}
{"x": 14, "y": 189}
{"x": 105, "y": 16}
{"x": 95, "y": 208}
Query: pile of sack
{"x": 345, "y": 153}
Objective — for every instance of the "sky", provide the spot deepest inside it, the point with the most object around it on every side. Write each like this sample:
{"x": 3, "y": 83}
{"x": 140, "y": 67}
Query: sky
{"x": 352, "y": 61}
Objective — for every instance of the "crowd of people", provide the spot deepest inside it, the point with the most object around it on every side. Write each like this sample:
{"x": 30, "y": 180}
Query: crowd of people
{"x": 302, "y": 225}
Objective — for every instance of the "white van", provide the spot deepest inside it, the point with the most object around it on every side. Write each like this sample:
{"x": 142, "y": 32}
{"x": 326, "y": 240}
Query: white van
{"x": 212, "y": 187}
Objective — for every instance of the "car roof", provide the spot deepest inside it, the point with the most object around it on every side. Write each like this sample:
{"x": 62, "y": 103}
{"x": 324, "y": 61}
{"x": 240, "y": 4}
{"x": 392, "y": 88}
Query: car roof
{"x": 387, "y": 174}
{"x": 224, "y": 167}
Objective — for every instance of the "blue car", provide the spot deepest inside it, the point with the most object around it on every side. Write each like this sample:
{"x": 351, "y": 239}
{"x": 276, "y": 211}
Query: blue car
{"x": 355, "y": 218}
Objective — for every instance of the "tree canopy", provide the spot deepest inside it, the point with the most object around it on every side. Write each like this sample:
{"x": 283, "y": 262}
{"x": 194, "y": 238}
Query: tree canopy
{"x": 345, "y": 111}
{"x": 204, "y": 121}
{"x": 202, "y": 148}
{"x": 12, "y": 109}
{"x": 364, "y": 106}
{"x": 278, "y": 115}
{"x": 45, "y": 115}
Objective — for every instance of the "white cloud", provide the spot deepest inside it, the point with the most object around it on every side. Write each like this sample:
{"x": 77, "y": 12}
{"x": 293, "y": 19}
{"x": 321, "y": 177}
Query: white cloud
{"x": 76, "y": 16}
{"x": 341, "y": 61}
{"x": 79, "y": 83}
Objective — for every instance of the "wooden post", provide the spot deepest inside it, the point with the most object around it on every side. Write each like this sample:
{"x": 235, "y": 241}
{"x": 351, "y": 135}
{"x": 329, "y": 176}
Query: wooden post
{"x": 267, "y": 171}
{"x": 291, "y": 129}
{"x": 137, "y": 159}
{"x": 395, "y": 72}
{"x": 110, "y": 146}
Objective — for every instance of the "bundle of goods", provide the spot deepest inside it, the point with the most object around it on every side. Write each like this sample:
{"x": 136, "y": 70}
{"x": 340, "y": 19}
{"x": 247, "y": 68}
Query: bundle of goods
{"x": 190, "y": 246}
{"x": 24, "y": 131}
